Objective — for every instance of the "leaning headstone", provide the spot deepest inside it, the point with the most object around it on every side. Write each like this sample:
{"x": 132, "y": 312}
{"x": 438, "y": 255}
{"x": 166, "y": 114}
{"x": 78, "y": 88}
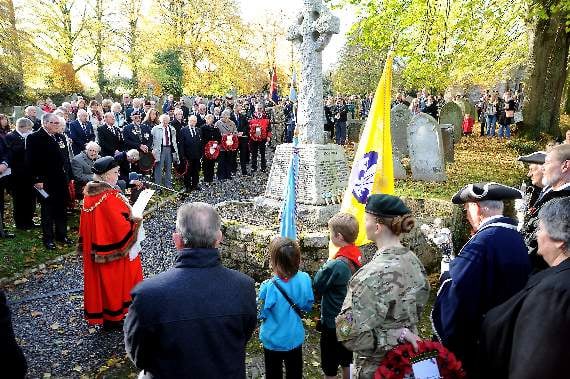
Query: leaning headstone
{"x": 451, "y": 113}
{"x": 18, "y": 112}
{"x": 447, "y": 136}
{"x": 400, "y": 117}
{"x": 354, "y": 127}
{"x": 426, "y": 149}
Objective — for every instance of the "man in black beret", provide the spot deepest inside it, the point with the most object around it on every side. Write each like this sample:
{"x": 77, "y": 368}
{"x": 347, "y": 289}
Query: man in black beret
{"x": 491, "y": 267}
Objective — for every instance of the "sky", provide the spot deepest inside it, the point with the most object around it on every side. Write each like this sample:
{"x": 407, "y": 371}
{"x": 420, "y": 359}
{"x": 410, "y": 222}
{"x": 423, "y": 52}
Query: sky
{"x": 253, "y": 11}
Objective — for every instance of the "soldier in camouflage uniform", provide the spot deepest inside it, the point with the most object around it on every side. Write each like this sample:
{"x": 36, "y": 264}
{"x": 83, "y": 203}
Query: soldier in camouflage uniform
{"x": 387, "y": 295}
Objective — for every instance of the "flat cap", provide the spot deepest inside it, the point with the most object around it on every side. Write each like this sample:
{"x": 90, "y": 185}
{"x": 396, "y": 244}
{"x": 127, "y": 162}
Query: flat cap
{"x": 473, "y": 193}
{"x": 386, "y": 206}
{"x": 536, "y": 157}
{"x": 104, "y": 164}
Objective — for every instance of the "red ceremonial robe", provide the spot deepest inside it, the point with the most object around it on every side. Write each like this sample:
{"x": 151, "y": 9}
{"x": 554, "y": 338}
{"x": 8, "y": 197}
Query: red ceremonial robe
{"x": 106, "y": 234}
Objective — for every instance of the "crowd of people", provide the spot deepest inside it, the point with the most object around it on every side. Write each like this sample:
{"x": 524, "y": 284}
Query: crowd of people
{"x": 52, "y": 159}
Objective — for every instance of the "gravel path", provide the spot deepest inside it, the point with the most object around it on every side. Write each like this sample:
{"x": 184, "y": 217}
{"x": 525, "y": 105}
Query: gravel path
{"x": 56, "y": 340}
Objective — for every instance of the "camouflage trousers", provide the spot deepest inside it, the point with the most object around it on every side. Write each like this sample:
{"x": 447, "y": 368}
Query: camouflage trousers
{"x": 365, "y": 366}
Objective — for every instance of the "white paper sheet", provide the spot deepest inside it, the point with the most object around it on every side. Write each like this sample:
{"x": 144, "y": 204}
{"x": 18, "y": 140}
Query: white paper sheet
{"x": 141, "y": 203}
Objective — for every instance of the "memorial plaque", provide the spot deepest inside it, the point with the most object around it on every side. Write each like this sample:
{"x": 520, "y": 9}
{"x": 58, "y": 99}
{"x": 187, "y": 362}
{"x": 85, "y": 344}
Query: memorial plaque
{"x": 323, "y": 173}
{"x": 400, "y": 117}
{"x": 426, "y": 149}
{"x": 451, "y": 113}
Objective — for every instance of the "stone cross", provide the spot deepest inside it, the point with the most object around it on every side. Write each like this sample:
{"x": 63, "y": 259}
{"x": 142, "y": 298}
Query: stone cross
{"x": 312, "y": 31}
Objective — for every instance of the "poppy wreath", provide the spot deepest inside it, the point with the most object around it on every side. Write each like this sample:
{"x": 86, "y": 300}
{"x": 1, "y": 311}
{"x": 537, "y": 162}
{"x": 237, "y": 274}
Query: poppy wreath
{"x": 257, "y": 135}
{"x": 230, "y": 142}
{"x": 397, "y": 364}
{"x": 212, "y": 150}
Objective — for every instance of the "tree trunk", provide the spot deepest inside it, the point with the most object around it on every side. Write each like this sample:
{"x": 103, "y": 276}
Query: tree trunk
{"x": 101, "y": 81}
{"x": 548, "y": 75}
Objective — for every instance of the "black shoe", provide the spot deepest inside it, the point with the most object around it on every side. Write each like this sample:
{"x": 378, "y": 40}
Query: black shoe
{"x": 112, "y": 325}
{"x": 65, "y": 241}
{"x": 50, "y": 245}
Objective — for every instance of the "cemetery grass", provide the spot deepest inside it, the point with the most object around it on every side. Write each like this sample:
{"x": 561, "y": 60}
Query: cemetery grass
{"x": 477, "y": 159}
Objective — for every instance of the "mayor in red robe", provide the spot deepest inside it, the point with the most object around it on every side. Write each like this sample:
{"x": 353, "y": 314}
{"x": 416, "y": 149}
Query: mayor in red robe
{"x": 107, "y": 232}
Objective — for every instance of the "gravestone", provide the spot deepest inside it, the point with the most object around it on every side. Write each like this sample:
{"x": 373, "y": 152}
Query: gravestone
{"x": 354, "y": 128}
{"x": 40, "y": 112}
{"x": 400, "y": 117}
{"x": 447, "y": 137}
{"x": 18, "y": 112}
{"x": 399, "y": 170}
{"x": 426, "y": 149}
{"x": 311, "y": 32}
{"x": 451, "y": 113}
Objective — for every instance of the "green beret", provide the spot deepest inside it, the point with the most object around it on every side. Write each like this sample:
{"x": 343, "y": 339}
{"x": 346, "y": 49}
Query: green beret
{"x": 386, "y": 206}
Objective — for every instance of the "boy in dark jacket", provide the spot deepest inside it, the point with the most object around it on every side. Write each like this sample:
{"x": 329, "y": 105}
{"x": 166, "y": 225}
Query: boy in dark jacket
{"x": 331, "y": 283}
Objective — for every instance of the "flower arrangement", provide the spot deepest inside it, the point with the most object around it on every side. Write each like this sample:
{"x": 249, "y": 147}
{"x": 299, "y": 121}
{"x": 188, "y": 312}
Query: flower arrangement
{"x": 441, "y": 237}
{"x": 230, "y": 142}
{"x": 397, "y": 364}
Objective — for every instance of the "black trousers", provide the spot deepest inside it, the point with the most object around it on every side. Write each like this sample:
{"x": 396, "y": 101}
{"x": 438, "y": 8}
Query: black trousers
{"x": 258, "y": 146}
{"x": 4, "y": 185}
{"x": 53, "y": 213}
{"x": 192, "y": 174}
{"x": 274, "y": 360}
{"x": 224, "y": 165}
{"x": 243, "y": 154}
{"x": 233, "y": 161}
{"x": 208, "y": 169}
{"x": 24, "y": 198}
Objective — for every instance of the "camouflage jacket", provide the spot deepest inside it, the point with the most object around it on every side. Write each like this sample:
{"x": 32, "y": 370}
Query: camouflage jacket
{"x": 387, "y": 294}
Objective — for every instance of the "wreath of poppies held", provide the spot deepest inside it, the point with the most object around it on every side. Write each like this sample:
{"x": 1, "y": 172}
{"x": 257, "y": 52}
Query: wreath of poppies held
{"x": 230, "y": 142}
{"x": 397, "y": 364}
{"x": 212, "y": 150}
{"x": 254, "y": 135}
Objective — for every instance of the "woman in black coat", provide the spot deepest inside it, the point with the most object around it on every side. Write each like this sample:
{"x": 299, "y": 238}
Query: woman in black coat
{"x": 526, "y": 337}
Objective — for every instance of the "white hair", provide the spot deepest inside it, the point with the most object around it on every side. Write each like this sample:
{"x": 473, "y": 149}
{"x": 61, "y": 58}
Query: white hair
{"x": 163, "y": 116}
{"x": 198, "y": 224}
{"x": 24, "y": 122}
{"x": 92, "y": 145}
{"x": 81, "y": 112}
{"x": 116, "y": 107}
{"x": 133, "y": 154}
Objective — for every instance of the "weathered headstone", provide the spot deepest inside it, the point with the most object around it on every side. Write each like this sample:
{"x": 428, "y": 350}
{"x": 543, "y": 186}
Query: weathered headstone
{"x": 18, "y": 112}
{"x": 447, "y": 137}
{"x": 399, "y": 170}
{"x": 354, "y": 128}
{"x": 311, "y": 32}
{"x": 426, "y": 149}
{"x": 400, "y": 117}
{"x": 451, "y": 113}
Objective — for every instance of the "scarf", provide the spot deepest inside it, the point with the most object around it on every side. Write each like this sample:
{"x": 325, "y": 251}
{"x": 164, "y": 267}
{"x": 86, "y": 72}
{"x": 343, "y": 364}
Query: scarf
{"x": 351, "y": 252}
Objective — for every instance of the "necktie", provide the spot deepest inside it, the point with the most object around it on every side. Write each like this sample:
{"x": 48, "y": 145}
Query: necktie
{"x": 192, "y": 131}
{"x": 166, "y": 136}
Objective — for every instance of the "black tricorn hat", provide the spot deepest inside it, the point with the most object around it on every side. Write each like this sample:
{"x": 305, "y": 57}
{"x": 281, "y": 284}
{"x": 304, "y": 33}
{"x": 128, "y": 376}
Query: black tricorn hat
{"x": 104, "y": 164}
{"x": 473, "y": 193}
{"x": 536, "y": 157}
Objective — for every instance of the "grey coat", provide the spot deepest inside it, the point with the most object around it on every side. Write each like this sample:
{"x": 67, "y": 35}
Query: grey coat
{"x": 81, "y": 167}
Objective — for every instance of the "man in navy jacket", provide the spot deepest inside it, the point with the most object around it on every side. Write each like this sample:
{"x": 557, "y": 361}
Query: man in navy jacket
{"x": 195, "y": 319}
{"x": 491, "y": 267}
{"x": 81, "y": 132}
{"x": 191, "y": 150}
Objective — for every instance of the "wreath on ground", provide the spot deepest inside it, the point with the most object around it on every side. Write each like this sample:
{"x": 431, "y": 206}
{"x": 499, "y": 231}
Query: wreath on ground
{"x": 397, "y": 364}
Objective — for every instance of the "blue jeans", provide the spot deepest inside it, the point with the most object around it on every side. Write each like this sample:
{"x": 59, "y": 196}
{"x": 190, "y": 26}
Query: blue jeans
{"x": 491, "y": 122}
{"x": 165, "y": 164}
{"x": 340, "y": 132}
{"x": 507, "y": 130}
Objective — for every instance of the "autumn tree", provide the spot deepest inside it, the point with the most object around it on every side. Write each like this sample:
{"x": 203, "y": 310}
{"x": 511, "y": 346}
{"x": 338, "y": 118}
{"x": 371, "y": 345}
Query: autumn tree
{"x": 348, "y": 77}
{"x": 11, "y": 70}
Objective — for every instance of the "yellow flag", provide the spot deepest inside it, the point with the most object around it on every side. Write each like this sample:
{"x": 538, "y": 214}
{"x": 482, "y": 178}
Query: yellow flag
{"x": 373, "y": 169}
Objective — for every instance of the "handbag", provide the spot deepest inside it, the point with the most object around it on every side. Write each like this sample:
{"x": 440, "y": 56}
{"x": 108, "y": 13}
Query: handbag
{"x": 295, "y": 307}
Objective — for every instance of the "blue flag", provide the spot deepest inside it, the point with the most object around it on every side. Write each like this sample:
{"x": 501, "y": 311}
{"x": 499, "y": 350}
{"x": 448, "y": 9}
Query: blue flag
{"x": 288, "y": 226}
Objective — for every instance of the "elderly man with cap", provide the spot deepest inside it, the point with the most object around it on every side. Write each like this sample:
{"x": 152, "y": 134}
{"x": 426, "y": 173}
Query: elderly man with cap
{"x": 110, "y": 250}
{"x": 556, "y": 182}
{"x": 386, "y": 297}
{"x": 535, "y": 162}
{"x": 491, "y": 267}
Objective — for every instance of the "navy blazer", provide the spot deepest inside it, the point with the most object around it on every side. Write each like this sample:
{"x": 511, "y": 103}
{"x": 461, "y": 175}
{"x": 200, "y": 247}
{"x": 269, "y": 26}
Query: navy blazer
{"x": 135, "y": 140}
{"x": 79, "y": 136}
{"x": 190, "y": 146}
{"x": 110, "y": 140}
